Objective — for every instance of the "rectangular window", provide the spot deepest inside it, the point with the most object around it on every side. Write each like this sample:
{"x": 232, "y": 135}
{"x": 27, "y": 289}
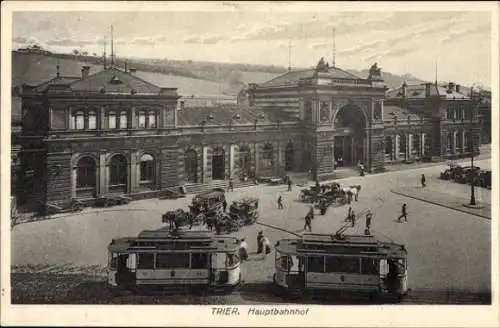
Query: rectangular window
{"x": 152, "y": 120}
{"x": 369, "y": 266}
{"x": 141, "y": 120}
{"x": 172, "y": 260}
{"x": 388, "y": 145}
{"x": 199, "y": 261}
{"x": 112, "y": 120}
{"x": 79, "y": 121}
{"x": 316, "y": 264}
{"x": 342, "y": 264}
{"x": 92, "y": 121}
{"x": 146, "y": 261}
{"x": 416, "y": 143}
{"x": 449, "y": 142}
{"x": 123, "y": 120}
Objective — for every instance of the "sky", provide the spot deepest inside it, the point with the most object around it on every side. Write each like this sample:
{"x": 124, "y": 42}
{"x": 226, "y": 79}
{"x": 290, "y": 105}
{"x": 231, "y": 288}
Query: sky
{"x": 399, "y": 41}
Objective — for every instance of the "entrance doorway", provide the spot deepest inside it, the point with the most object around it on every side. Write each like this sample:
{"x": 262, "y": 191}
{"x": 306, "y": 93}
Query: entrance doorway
{"x": 218, "y": 160}
{"x": 245, "y": 164}
{"x": 349, "y": 124}
{"x": 289, "y": 157}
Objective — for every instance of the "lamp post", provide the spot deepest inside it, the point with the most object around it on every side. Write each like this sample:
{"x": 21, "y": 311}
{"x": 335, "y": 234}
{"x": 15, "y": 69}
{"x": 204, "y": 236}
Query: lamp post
{"x": 472, "y": 189}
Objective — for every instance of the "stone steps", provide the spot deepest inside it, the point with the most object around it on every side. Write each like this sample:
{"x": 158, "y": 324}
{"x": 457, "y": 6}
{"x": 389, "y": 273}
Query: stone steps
{"x": 199, "y": 188}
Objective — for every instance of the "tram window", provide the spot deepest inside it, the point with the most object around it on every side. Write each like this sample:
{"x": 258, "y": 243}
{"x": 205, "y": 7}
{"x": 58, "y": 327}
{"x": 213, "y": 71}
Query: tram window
{"x": 172, "y": 260}
{"x": 146, "y": 261}
{"x": 316, "y": 264}
{"x": 131, "y": 261}
{"x": 369, "y": 266}
{"x": 199, "y": 261}
{"x": 113, "y": 260}
{"x": 342, "y": 264}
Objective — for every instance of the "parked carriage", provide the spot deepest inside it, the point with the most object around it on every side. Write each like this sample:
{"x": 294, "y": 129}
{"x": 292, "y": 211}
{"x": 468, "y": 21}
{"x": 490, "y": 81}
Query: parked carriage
{"x": 179, "y": 218}
{"x": 246, "y": 210}
{"x": 161, "y": 258}
{"x": 208, "y": 201}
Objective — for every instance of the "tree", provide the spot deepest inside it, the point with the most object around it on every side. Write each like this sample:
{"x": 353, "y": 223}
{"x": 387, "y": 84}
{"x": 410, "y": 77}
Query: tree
{"x": 85, "y": 53}
{"x": 76, "y": 52}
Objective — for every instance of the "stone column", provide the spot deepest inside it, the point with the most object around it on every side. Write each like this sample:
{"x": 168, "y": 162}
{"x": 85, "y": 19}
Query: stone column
{"x": 103, "y": 174}
{"x": 132, "y": 182}
{"x": 73, "y": 181}
{"x": 231, "y": 160}
{"x": 102, "y": 116}
{"x": 278, "y": 158}
{"x": 131, "y": 120}
{"x": 464, "y": 148}
{"x": 204, "y": 154}
{"x": 257, "y": 158}
{"x": 67, "y": 118}
{"x": 422, "y": 144}
{"x": 454, "y": 142}
{"x": 396, "y": 147}
{"x": 353, "y": 158}
{"x": 409, "y": 146}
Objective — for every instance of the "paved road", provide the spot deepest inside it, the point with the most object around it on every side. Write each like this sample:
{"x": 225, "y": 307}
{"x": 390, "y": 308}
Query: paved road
{"x": 448, "y": 250}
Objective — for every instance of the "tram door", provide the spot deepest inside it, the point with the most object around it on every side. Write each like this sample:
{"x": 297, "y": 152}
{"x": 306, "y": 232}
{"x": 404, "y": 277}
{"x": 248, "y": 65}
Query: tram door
{"x": 126, "y": 269}
{"x": 394, "y": 273}
{"x": 218, "y": 265}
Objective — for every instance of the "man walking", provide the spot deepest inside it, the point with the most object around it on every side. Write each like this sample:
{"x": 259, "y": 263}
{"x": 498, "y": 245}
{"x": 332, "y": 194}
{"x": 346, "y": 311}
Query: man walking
{"x": 280, "y": 203}
{"x": 308, "y": 219}
{"x": 231, "y": 185}
{"x": 260, "y": 236}
{"x": 369, "y": 217}
{"x": 224, "y": 205}
{"x": 289, "y": 184}
{"x": 422, "y": 180}
{"x": 403, "y": 214}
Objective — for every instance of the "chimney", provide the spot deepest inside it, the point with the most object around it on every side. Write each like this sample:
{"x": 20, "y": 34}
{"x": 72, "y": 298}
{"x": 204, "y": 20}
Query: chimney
{"x": 428, "y": 90}
{"x": 451, "y": 87}
{"x": 132, "y": 71}
{"x": 457, "y": 88}
{"x": 85, "y": 72}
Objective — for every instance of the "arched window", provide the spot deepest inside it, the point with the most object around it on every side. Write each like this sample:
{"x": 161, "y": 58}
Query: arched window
{"x": 267, "y": 155}
{"x": 191, "y": 166}
{"x": 147, "y": 169}
{"x": 92, "y": 123}
{"x": 152, "y": 120}
{"x": 78, "y": 121}
{"x": 123, "y": 120}
{"x": 118, "y": 174}
{"x": 111, "y": 120}
{"x": 402, "y": 144}
{"x": 86, "y": 177}
{"x": 141, "y": 116}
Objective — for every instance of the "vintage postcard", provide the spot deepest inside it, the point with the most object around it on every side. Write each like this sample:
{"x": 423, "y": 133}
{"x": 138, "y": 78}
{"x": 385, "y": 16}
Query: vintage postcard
{"x": 250, "y": 163}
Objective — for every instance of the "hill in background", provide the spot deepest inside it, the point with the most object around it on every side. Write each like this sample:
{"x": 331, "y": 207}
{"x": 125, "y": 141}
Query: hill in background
{"x": 191, "y": 78}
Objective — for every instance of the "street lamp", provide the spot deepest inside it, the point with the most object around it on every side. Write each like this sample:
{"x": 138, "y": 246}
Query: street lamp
{"x": 472, "y": 189}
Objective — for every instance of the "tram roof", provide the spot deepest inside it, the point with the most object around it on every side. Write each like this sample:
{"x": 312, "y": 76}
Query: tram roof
{"x": 164, "y": 239}
{"x": 349, "y": 244}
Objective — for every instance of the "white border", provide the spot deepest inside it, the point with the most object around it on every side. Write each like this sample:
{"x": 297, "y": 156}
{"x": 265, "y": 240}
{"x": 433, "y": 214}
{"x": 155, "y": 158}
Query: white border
{"x": 446, "y": 316}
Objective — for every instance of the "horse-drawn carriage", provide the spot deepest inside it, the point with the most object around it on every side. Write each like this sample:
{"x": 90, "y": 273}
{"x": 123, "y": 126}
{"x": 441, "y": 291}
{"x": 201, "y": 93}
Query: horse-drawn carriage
{"x": 179, "y": 218}
{"x": 206, "y": 202}
{"x": 328, "y": 194}
{"x": 245, "y": 210}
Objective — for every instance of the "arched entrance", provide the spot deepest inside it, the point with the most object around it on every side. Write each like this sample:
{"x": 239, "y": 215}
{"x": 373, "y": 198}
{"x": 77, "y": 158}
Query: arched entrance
{"x": 191, "y": 166}
{"x": 218, "y": 164}
{"x": 349, "y": 124}
{"x": 147, "y": 172}
{"x": 118, "y": 174}
{"x": 289, "y": 157}
{"x": 245, "y": 160}
{"x": 86, "y": 177}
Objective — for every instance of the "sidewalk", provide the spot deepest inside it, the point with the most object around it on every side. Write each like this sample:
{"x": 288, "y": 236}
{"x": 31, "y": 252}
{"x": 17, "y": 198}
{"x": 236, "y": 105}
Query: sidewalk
{"x": 445, "y": 200}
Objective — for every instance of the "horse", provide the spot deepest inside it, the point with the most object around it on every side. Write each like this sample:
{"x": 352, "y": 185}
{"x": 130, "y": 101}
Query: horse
{"x": 352, "y": 191}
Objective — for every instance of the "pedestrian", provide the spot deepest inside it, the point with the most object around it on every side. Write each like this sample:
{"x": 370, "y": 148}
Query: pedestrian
{"x": 289, "y": 184}
{"x": 231, "y": 185}
{"x": 266, "y": 245}
{"x": 349, "y": 211}
{"x": 243, "y": 251}
{"x": 422, "y": 179}
{"x": 404, "y": 213}
{"x": 369, "y": 217}
{"x": 260, "y": 236}
{"x": 280, "y": 203}
{"x": 308, "y": 219}
{"x": 224, "y": 205}
{"x": 218, "y": 225}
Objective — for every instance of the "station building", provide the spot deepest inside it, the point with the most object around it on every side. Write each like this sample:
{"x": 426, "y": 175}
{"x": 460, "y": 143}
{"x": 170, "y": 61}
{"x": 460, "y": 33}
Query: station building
{"x": 112, "y": 132}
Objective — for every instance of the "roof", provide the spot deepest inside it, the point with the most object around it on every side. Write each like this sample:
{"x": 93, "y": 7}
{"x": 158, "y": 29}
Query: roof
{"x": 293, "y": 77}
{"x": 224, "y": 115}
{"x": 110, "y": 81}
{"x": 417, "y": 91}
{"x": 391, "y": 111}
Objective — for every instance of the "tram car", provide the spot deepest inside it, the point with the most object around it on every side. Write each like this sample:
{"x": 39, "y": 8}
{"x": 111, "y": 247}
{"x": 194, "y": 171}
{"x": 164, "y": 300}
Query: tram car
{"x": 245, "y": 210}
{"x": 162, "y": 259}
{"x": 357, "y": 265}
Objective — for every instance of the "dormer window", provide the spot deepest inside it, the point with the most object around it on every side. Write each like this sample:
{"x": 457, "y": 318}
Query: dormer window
{"x": 115, "y": 80}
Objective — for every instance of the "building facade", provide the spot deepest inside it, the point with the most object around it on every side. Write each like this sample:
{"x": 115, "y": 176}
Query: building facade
{"x": 112, "y": 132}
